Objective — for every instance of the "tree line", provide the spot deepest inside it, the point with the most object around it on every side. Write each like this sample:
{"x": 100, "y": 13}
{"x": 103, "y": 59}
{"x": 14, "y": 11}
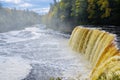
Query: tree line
{"x": 12, "y": 19}
{"x": 69, "y": 13}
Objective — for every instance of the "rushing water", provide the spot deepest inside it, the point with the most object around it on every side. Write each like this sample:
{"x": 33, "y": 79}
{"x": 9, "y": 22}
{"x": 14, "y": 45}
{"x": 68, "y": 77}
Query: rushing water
{"x": 38, "y": 53}
{"x": 112, "y": 29}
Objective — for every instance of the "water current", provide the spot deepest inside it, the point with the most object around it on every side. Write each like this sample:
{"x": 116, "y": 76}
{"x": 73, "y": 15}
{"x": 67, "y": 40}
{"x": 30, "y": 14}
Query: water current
{"x": 37, "y": 53}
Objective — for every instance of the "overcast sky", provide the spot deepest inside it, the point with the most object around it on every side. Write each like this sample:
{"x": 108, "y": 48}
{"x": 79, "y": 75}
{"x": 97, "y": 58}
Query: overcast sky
{"x": 39, "y": 6}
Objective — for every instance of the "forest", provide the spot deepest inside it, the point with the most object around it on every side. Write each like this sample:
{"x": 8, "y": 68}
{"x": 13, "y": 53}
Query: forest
{"x": 66, "y": 14}
{"x": 12, "y": 19}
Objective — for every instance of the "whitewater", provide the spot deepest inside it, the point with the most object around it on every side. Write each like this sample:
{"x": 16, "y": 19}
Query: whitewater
{"x": 38, "y": 53}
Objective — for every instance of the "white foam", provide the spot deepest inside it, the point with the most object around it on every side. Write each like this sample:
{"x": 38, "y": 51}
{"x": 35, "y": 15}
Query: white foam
{"x": 13, "y": 68}
{"x": 23, "y": 35}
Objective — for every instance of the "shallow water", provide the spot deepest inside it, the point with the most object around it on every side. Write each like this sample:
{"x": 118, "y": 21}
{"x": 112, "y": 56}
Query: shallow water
{"x": 37, "y": 53}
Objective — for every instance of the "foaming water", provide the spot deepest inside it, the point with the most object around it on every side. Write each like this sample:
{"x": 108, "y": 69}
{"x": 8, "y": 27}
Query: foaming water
{"x": 37, "y": 53}
{"x": 17, "y": 36}
{"x": 13, "y": 68}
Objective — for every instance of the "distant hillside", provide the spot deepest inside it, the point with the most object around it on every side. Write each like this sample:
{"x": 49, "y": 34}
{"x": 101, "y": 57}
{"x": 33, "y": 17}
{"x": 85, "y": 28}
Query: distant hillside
{"x": 12, "y": 19}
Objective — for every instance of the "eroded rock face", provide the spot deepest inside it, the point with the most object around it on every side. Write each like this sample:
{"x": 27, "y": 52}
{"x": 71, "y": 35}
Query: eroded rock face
{"x": 100, "y": 49}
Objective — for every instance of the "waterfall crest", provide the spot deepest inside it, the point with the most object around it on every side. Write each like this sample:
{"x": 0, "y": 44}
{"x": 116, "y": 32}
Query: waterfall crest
{"x": 100, "y": 49}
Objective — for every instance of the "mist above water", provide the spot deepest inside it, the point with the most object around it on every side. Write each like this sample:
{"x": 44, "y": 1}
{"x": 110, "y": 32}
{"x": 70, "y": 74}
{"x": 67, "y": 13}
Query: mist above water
{"x": 12, "y": 19}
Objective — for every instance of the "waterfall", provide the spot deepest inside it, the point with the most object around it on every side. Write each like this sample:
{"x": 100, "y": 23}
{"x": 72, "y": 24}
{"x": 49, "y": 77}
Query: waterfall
{"x": 100, "y": 50}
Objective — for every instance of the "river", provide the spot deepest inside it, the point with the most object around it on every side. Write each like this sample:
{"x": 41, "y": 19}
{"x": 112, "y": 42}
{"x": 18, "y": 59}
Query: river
{"x": 37, "y": 53}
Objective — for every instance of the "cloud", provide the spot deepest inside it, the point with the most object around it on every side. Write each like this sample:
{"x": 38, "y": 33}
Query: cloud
{"x": 41, "y": 0}
{"x": 25, "y": 5}
{"x": 39, "y": 6}
{"x": 41, "y": 10}
{"x": 12, "y": 1}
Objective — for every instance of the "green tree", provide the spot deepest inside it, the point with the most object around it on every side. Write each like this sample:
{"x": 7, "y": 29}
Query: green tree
{"x": 84, "y": 12}
{"x": 79, "y": 11}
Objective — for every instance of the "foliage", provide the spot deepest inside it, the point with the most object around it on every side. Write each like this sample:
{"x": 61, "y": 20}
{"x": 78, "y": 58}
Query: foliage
{"x": 52, "y": 78}
{"x": 12, "y": 19}
{"x": 103, "y": 12}
{"x": 83, "y": 12}
{"x": 112, "y": 77}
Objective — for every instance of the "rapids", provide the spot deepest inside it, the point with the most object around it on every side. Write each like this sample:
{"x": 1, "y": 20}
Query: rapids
{"x": 37, "y": 53}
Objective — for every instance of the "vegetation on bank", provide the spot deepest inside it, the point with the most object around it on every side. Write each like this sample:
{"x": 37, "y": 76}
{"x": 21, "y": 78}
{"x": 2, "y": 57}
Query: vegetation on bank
{"x": 52, "y": 78}
{"x": 12, "y": 19}
{"x": 103, "y": 76}
{"x": 65, "y": 14}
